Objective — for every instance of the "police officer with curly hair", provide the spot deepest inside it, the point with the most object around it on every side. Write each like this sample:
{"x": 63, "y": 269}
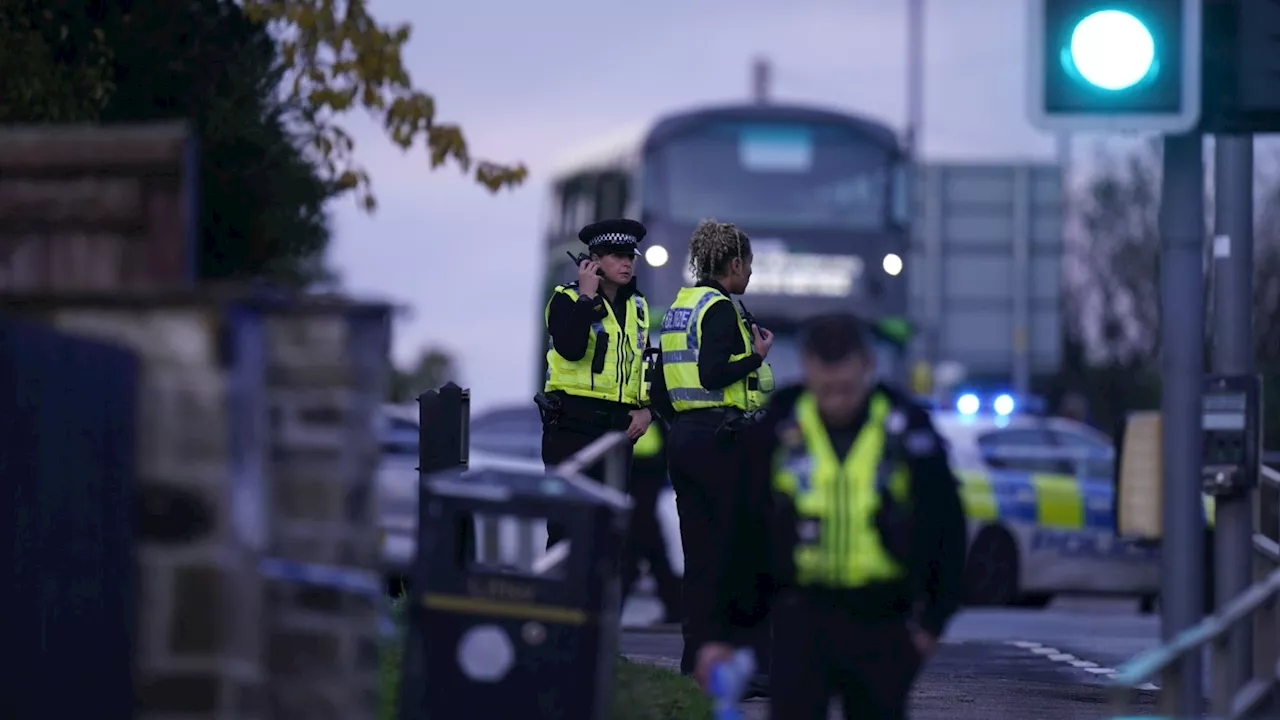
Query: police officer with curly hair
{"x": 713, "y": 365}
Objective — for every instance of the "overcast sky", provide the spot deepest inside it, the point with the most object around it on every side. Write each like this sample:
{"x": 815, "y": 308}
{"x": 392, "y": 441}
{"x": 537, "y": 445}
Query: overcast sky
{"x": 531, "y": 81}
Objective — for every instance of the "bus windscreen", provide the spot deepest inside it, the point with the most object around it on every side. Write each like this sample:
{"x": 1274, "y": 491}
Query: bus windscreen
{"x": 775, "y": 175}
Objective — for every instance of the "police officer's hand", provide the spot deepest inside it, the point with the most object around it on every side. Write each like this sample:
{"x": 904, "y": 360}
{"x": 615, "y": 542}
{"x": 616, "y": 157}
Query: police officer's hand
{"x": 588, "y": 280}
{"x": 640, "y": 420}
{"x": 710, "y": 655}
{"x": 761, "y": 340}
{"x": 925, "y": 643}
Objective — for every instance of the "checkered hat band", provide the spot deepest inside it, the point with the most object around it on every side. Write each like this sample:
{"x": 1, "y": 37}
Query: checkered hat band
{"x": 613, "y": 239}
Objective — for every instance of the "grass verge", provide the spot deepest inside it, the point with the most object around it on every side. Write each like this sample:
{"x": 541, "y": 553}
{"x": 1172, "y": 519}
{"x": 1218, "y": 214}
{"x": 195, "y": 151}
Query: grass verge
{"x": 640, "y": 691}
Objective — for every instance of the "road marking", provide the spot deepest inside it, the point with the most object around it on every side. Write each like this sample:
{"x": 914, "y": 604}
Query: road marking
{"x": 1056, "y": 655}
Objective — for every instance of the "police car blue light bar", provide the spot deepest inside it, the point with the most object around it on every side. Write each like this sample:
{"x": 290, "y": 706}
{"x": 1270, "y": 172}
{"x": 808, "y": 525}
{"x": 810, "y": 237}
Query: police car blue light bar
{"x": 1003, "y": 404}
{"x": 970, "y": 404}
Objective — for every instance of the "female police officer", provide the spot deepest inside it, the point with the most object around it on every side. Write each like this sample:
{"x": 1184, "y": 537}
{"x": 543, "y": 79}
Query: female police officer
{"x": 715, "y": 375}
{"x": 868, "y": 532}
{"x": 595, "y": 367}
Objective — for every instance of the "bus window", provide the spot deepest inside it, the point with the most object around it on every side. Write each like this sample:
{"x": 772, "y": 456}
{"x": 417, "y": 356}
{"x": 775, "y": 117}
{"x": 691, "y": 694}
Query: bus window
{"x": 577, "y": 205}
{"x": 901, "y": 200}
{"x": 611, "y": 197}
{"x": 772, "y": 175}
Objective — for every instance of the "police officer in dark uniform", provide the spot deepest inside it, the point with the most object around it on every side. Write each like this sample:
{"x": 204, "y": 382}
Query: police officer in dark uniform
{"x": 648, "y": 478}
{"x": 869, "y": 534}
{"x": 716, "y": 379}
{"x": 596, "y": 365}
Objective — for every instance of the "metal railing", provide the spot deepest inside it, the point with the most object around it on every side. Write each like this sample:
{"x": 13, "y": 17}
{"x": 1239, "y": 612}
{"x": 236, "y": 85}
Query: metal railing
{"x": 524, "y": 532}
{"x": 1229, "y": 697}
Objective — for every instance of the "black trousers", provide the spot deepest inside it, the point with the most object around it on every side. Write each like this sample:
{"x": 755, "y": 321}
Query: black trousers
{"x": 559, "y": 443}
{"x": 645, "y": 541}
{"x": 725, "y": 585}
{"x": 821, "y": 650}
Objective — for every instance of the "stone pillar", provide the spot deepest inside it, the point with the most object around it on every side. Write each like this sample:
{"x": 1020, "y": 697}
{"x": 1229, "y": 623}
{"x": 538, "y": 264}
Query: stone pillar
{"x": 327, "y": 377}
{"x": 200, "y": 646}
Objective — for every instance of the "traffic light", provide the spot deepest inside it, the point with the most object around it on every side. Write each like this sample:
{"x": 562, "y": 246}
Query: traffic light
{"x": 1118, "y": 65}
{"x": 1241, "y": 74}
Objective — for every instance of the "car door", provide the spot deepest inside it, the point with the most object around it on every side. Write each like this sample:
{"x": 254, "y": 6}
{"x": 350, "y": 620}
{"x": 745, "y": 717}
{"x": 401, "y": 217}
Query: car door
{"x": 1028, "y": 476}
{"x": 1094, "y": 467}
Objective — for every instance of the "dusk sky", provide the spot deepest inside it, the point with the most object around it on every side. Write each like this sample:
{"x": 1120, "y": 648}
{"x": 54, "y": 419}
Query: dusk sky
{"x": 531, "y": 81}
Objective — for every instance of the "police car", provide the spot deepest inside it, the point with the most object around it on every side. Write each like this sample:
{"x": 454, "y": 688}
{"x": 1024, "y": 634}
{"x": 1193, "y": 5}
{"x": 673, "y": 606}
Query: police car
{"x": 1040, "y": 497}
{"x": 1038, "y": 492}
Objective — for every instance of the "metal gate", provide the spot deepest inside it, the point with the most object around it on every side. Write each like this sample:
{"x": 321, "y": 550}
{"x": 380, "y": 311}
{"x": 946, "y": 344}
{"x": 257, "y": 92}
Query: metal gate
{"x": 67, "y": 428}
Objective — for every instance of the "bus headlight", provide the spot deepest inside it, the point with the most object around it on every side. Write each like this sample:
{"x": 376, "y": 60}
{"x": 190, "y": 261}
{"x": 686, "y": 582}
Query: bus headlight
{"x": 656, "y": 255}
{"x": 892, "y": 264}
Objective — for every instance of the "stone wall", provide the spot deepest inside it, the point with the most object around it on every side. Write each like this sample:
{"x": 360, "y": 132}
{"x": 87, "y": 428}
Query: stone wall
{"x": 257, "y": 434}
{"x": 326, "y": 378}
{"x": 97, "y": 208}
{"x": 199, "y": 647}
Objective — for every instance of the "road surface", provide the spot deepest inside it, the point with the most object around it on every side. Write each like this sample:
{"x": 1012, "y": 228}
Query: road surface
{"x": 1051, "y": 664}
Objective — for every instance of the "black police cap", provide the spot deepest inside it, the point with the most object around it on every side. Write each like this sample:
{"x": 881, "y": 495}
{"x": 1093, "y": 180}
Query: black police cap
{"x": 611, "y": 236}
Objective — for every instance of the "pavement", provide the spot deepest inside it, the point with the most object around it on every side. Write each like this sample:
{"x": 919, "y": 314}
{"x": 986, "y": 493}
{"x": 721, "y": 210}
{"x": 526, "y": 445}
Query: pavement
{"x": 1050, "y": 664}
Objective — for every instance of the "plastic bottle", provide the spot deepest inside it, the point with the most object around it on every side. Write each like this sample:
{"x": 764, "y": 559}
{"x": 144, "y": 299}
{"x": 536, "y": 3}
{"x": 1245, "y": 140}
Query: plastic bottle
{"x": 728, "y": 683}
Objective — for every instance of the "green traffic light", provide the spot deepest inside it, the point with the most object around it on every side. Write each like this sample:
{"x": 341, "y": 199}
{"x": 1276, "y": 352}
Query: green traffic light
{"x": 1111, "y": 50}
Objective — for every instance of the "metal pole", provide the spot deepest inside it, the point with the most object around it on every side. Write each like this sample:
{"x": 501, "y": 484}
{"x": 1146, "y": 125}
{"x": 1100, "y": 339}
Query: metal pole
{"x": 915, "y": 74}
{"x": 1021, "y": 281}
{"x": 1182, "y": 360}
{"x": 932, "y": 321}
{"x": 1233, "y": 354}
{"x": 761, "y": 75}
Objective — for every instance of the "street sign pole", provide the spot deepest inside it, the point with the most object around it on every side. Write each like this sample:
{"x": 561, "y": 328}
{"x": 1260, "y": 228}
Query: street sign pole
{"x": 1233, "y": 355}
{"x": 1182, "y": 330}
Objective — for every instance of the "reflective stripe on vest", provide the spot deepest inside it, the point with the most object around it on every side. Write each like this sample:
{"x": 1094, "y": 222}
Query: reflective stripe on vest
{"x": 836, "y": 501}
{"x": 681, "y": 338}
{"x": 650, "y": 443}
{"x": 622, "y": 377}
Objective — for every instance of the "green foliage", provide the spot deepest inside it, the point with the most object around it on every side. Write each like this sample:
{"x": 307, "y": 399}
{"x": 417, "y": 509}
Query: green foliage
{"x": 646, "y": 692}
{"x": 55, "y": 62}
{"x": 262, "y": 200}
{"x": 641, "y": 691}
{"x": 340, "y": 58}
{"x": 433, "y": 369}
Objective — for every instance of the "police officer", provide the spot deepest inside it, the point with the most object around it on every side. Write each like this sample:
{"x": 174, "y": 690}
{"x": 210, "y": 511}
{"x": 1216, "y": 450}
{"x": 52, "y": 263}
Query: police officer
{"x": 716, "y": 378}
{"x": 648, "y": 477}
{"x": 869, "y": 533}
{"x": 596, "y": 364}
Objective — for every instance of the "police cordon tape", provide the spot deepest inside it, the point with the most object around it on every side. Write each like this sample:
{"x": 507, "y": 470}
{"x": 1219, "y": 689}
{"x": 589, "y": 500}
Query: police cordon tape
{"x": 362, "y": 582}
{"x": 1212, "y": 629}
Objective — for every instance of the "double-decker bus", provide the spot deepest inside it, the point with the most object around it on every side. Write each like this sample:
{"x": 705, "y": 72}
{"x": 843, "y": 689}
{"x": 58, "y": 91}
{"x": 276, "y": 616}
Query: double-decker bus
{"x": 822, "y": 194}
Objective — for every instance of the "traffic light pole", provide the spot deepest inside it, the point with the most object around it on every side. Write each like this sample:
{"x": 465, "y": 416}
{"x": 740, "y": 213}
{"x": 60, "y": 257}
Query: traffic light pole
{"x": 1233, "y": 355}
{"x": 1182, "y": 329}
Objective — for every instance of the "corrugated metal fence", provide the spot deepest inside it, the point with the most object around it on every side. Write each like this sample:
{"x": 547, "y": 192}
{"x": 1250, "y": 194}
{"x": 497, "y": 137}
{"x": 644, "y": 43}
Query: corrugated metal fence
{"x": 66, "y": 469}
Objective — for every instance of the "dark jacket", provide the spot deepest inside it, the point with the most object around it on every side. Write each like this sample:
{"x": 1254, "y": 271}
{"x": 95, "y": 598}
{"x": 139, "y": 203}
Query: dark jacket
{"x": 933, "y": 590}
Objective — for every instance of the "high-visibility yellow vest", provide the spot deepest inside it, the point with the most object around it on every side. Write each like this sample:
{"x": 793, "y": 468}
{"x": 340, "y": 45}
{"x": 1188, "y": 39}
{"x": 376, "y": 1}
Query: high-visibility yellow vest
{"x": 681, "y": 338}
{"x": 837, "y": 500}
{"x": 650, "y": 443}
{"x": 621, "y": 378}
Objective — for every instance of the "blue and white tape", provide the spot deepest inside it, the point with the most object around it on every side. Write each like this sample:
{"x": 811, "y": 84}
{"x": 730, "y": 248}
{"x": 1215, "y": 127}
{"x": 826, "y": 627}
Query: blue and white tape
{"x": 364, "y": 582}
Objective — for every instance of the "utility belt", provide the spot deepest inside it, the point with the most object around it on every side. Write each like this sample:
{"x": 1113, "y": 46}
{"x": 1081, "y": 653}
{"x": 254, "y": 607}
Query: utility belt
{"x": 729, "y": 422}
{"x": 582, "y": 415}
{"x": 877, "y": 601}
